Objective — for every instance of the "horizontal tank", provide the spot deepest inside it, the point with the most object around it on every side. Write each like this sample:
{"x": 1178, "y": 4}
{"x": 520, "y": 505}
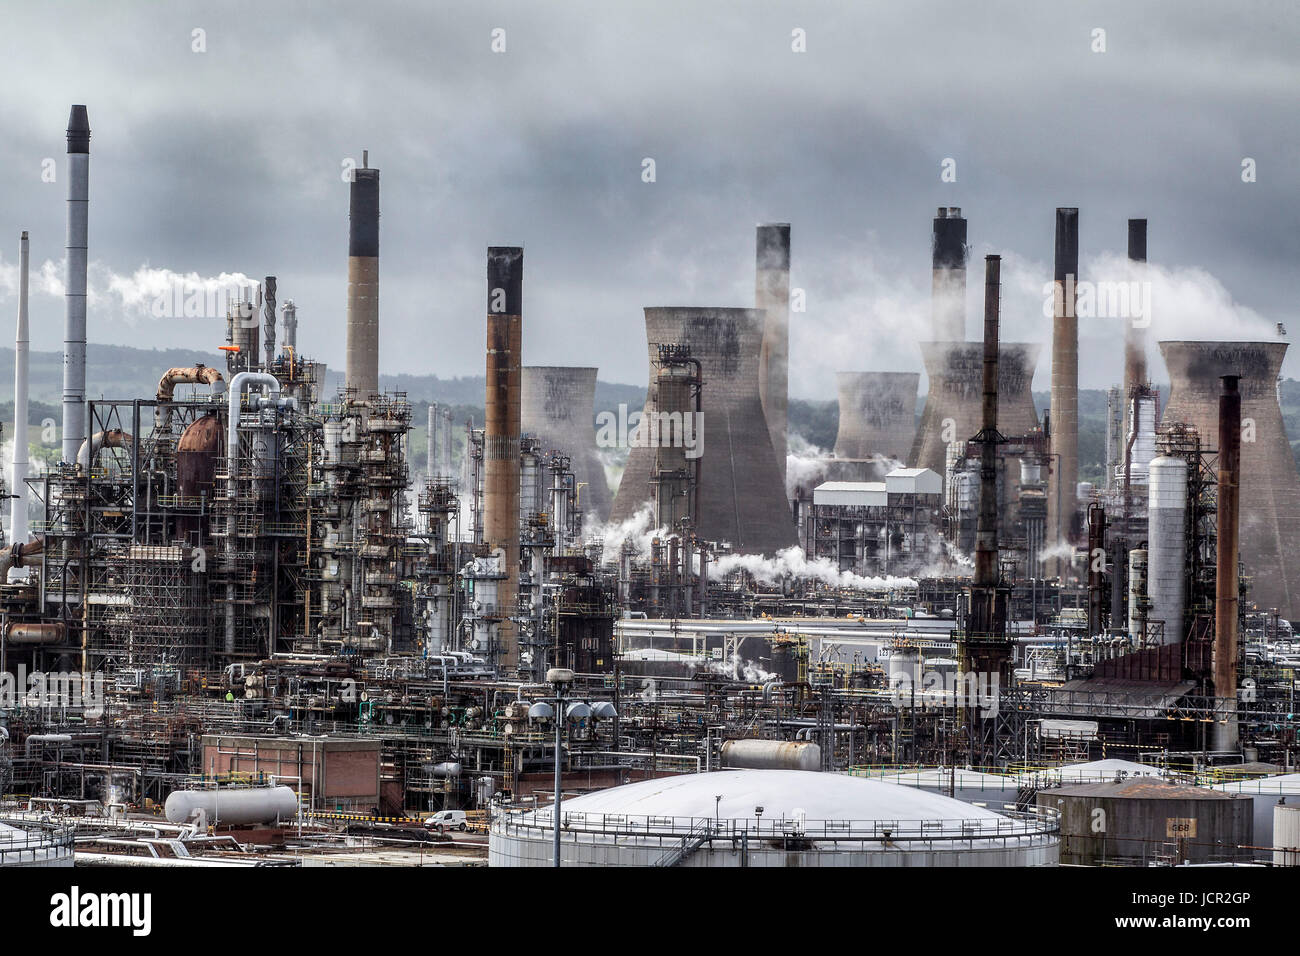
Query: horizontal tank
{"x": 771, "y": 755}
{"x": 233, "y": 807}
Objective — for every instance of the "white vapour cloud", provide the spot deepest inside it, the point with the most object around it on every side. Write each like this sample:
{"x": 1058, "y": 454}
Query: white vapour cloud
{"x": 791, "y": 563}
{"x": 637, "y": 530}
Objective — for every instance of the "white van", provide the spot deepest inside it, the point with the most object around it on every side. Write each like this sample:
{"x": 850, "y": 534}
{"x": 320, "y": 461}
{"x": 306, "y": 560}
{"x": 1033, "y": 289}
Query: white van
{"x": 448, "y": 820}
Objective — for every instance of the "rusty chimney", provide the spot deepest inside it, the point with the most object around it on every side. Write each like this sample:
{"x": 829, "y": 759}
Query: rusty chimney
{"x": 1226, "y": 573}
{"x": 505, "y": 275}
{"x": 363, "y": 282}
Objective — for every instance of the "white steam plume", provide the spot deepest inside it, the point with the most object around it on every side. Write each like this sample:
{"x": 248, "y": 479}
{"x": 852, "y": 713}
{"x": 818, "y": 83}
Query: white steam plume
{"x": 791, "y": 563}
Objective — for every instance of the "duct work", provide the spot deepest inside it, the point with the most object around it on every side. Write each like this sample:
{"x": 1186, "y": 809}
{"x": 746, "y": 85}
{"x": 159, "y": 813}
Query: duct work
{"x": 74, "y": 326}
{"x": 1061, "y": 498}
{"x": 505, "y": 274}
{"x": 741, "y": 492}
{"x": 363, "y": 281}
{"x": 559, "y": 407}
{"x": 877, "y": 414}
{"x": 1270, "y": 489}
{"x": 199, "y": 374}
{"x": 90, "y": 448}
{"x": 772, "y": 298}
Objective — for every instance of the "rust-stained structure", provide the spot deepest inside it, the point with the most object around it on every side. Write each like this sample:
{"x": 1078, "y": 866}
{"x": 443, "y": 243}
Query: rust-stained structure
{"x": 363, "y": 282}
{"x": 501, "y": 431}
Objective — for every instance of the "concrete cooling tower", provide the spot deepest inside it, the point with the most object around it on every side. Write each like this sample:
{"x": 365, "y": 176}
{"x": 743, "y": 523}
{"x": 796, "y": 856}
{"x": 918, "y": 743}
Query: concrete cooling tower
{"x": 953, "y": 406}
{"x": 877, "y": 414}
{"x": 1270, "y": 486}
{"x": 741, "y": 494}
{"x": 559, "y": 408}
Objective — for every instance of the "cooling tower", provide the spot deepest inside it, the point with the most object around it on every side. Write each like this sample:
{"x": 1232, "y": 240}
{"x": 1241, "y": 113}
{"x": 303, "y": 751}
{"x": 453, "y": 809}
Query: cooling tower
{"x": 877, "y": 414}
{"x": 953, "y": 408}
{"x": 1270, "y": 486}
{"x": 559, "y": 407}
{"x": 772, "y": 296}
{"x": 363, "y": 282}
{"x": 742, "y": 494}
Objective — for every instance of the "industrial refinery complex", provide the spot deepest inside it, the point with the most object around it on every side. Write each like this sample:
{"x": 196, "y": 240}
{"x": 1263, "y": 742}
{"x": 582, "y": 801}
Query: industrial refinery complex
{"x": 291, "y": 607}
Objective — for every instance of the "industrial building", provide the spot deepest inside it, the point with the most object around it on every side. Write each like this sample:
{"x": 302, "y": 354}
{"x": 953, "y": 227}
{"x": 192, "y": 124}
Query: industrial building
{"x": 274, "y": 629}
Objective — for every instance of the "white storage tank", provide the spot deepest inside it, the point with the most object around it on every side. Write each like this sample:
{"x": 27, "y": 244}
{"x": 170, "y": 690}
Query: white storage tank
{"x": 771, "y": 755}
{"x": 233, "y": 806}
{"x": 1266, "y": 793}
{"x": 772, "y": 818}
{"x": 1167, "y": 544}
{"x": 1286, "y": 835}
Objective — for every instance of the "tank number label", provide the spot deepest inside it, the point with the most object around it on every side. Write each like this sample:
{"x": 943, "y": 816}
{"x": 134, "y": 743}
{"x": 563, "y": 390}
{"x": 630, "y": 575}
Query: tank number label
{"x": 1177, "y": 828}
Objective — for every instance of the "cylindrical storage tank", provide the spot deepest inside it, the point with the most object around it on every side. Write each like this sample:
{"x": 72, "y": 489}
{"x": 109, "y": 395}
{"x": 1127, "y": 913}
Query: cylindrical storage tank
{"x": 1031, "y": 472}
{"x": 1144, "y": 821}
{"x": 1137, "y": 588}
{"x": 771, "y": 755}
{"x": 771, "y": 818}
{"x": 1144, "y": 441}
{"x": 235, "y": 807}
{"x": 1167, "y": 544}
{"x": 1286, "y": 835}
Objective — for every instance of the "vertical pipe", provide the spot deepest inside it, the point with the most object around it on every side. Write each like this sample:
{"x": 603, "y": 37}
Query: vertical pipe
{"x": 363, "y": 283}
{"x": 948, "y": 262}
{"x": 1065, "y": 383}
{"x": 1226, "y": 576}
{"x": 290, "y": 312}
{"x": 772, "y": 296}
{"x": 505, "y": 275}
{"x": 74, "y": 325}
{"x": 18, "y": 471}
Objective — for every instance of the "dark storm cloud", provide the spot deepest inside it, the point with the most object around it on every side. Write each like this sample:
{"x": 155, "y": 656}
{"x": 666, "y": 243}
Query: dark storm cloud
{"x": 229, "y": 161}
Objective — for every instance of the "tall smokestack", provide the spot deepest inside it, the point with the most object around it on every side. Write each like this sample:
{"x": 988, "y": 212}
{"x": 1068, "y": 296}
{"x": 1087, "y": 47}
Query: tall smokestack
{"x": 772, "y": 296}
{"x": 948, "y": 293}
{"x": 505, "y": 274}
{"x": 18, "y": 472}
{"x": 363, "y": 281}
{"x": 1226, "y": 583}
{"x": 268, "y": 321}
{"x": 74, "y": 324}
{"x": 1065, "y": 383}
{"x": 435, "y": 461}
{"x": 983, "y": 646}
{"x": 1135, "y": 343}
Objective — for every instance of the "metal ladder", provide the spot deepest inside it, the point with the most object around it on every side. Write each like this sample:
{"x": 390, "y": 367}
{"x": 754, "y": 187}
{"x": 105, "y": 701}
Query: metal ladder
{"x": 696, "y": 838}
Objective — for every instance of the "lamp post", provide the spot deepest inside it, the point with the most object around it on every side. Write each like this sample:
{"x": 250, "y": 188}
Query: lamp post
{"x": 561, "y": 678}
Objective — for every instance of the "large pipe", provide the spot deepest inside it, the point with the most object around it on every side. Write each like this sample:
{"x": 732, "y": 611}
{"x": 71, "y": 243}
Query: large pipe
{"x": 74, "y": 325}
{"x": 18, "y": 468}
{"x": 772, "y": 297}
{"x": 198, "y": 374}
{"x": 948, "y": 264}
{"x": 110, "y": 438}
{"x": 1065, "y": 383}
{"x": 1135, "y": 346}
{"x": 505, "y": 275}
{"x": 363, "y": 282}
{"x": 1226, "y": 575}
{"x": 12, "y": 557}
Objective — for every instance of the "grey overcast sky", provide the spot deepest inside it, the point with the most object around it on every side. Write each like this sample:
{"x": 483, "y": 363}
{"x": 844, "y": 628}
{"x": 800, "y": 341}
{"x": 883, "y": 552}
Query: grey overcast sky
{"x": 229, "y": 160}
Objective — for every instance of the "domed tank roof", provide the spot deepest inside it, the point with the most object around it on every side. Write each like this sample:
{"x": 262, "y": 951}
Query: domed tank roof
{"x": 781, "y": 793}
{"x": 203, "y": 434}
